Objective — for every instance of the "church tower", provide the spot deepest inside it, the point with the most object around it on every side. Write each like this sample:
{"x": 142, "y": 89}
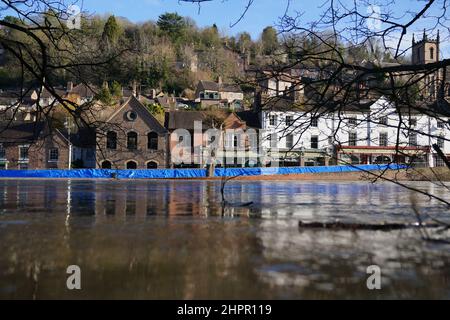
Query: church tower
{"x": 427, "y": 51}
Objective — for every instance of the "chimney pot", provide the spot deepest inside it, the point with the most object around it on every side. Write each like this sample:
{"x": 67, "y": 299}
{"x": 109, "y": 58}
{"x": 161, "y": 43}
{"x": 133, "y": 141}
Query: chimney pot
{"x": 69, "y": 86}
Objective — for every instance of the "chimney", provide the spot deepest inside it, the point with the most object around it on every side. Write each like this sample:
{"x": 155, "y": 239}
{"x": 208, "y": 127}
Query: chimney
{"x": 134, "y": 85}
{"x": 219, "y": 80}
{"x": 69, "y": 86}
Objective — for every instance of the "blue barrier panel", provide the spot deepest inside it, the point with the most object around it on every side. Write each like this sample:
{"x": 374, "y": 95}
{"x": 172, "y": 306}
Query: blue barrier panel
{"x": 186, "y": 173}
{"x": 236, "y": 172}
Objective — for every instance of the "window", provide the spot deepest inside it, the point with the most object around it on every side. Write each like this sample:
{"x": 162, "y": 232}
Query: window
{"x": 235, "y": 141}
{"x": 289, "y": 141}
{"x": 53, "y": 154}
{"x": 330, "y": 140}
{"x": 440, "y": 124}
{"x": 152, "y": 165}
{"x": 289, "y": 120}
{"x": 413, "y": 139}
{"x": 2, "y": 152}
{"x": 23, "y": 166}
{"x": 314, "y": 142}
{"x": 352, "y": 121}
{"x": 432, "y": 53}
{"x": 383, "y": 139}
{"x": 132, "y": 140}
{"x": 412, "y": 122}
{"x": 441, "y": 142}
{"x": 352, "y": 139}
{"x": 314, "y": 122}
{"x": 152, "y": 143}
{"x": 111, "y": 140}
{"x": 273, "y": 120}
{"x": 106, "y": 165}
{"x": 131, "y": 116}
{"x": 384, "y": 121}
{"x": 131, "y": 165}
{"x": 273, "y": 140}
{"x": 23, "y": 153}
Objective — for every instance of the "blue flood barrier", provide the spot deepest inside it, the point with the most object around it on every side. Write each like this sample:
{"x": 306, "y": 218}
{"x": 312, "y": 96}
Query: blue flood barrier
{"x": 186, "y": 173}
{"x": 235, "y": 172}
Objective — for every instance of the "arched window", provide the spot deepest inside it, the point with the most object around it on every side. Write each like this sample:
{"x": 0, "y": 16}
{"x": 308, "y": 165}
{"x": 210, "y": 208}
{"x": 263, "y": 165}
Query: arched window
{"x": 432, "y": 53}
{"x": 152, "y": 141}
{"x": 131, "y": 165}
{"x": 152, "y": 165}
{"x": 106, "y": 164}
{"x": 111, "y": 140}
{"x": 132, "y": 141}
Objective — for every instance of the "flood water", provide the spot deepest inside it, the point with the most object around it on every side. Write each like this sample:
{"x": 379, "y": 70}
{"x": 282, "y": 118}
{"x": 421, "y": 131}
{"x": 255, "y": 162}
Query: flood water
{"x": 173, "y": 240}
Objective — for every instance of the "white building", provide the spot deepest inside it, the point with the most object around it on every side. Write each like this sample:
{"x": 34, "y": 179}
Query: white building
{"x": 297, "y": 137}
{"x": 366, "y": 133}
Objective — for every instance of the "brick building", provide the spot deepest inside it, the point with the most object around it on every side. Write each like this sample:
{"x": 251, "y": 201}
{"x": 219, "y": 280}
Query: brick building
{"x": 32, "y": 145}
{"x": 131, "y": 138}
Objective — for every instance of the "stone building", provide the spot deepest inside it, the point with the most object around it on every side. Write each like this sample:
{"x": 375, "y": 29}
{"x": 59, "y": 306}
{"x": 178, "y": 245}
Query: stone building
{"x": 131, "y": 138}
{"x": 219, "y": 94}
{"x": 427, "y": 51}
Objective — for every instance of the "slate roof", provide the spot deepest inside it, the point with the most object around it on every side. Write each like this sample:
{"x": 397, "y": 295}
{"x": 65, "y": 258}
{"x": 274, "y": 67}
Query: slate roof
{"x": 20, "y": 132}
{"x": 224, "y": 87}
{"x": 84, "y": 90}
{"x": 183, "y": 119}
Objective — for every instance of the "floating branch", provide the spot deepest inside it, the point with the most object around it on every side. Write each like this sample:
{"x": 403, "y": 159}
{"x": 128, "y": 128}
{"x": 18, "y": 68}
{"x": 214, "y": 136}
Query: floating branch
{"x": 363, "y": 226}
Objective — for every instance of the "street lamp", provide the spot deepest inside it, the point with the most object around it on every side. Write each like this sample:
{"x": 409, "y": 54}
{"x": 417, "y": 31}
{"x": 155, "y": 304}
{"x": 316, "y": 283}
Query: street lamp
{"x": 68, "y": 125}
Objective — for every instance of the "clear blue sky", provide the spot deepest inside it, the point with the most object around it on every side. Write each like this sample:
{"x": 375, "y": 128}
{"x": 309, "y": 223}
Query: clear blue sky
{"x": 225, "y": 12}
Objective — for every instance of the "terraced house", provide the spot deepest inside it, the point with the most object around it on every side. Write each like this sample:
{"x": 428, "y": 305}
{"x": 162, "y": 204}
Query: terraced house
{"x": 32, "y": 145}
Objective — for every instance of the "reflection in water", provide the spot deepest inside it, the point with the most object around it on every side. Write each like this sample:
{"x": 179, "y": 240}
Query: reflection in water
{"x": 168, "y": 239}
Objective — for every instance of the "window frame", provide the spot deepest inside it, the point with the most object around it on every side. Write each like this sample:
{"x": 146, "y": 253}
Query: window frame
{"x": 111, "y": 142}
{"x": 27, "y": 157}
{"x": 289, "y": 141}
{"x": 289, "y": 120}
{"x": 50, "y": 153}
{"x": 129, "y": 145}
{"x": 412, "y": 139}
{"x": 273, "y": 119}
{"x": 315, "y": 144}
{"x": 151, "y": 141}
{"x": 353, "y": 142}
{"x": 383, "y": 139}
